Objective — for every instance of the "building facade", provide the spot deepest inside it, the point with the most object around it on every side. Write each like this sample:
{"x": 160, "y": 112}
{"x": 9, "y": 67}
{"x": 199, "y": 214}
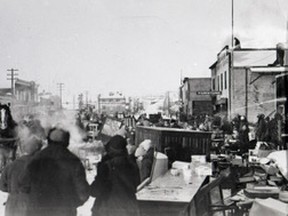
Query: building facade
{"x": 112, "y": 103}
{"x": 194, "y": 97}
{"x": 246, "y": 80}
{"x": 49, "y": 102}
{"x": 25, "y": 97}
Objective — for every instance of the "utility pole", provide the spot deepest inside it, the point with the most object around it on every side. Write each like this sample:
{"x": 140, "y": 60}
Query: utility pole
{"x": 60, "y": 86}
{"x": 168, "y": 103}
{"x": 74, "y": 102}
{"x": 232, "y": 63}
{"x": 86, "y": 96}
{"x": 11, "y": 76}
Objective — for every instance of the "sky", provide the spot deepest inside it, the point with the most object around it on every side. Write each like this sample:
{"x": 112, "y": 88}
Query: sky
{"x": 138, "y": 47}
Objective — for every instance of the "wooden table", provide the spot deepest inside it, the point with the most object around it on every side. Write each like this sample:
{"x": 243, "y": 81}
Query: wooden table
{"x": 170, "y": 195}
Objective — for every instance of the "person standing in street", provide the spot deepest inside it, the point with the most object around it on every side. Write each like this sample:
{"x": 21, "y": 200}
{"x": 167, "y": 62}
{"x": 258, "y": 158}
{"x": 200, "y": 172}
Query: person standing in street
{"x": 55, "y": 179}
{"x": 12, "y": 178}
{"x": 116, "y": 182}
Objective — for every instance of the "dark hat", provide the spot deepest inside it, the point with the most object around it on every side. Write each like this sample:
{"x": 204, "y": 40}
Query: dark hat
{"x": 116, "y": 144}
{"x": 58, "y": 136}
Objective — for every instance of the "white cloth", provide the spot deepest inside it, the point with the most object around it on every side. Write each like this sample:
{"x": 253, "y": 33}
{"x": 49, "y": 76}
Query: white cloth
{"x": 143, "y": 148}
{"x": 146, "y": 144}
{"x": 281, "y": 160}
{"x": 268, "y": 207}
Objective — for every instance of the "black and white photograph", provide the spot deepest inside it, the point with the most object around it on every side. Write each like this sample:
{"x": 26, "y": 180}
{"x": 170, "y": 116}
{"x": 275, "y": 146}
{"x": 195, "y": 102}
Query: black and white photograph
{"x": 143, "y": 108}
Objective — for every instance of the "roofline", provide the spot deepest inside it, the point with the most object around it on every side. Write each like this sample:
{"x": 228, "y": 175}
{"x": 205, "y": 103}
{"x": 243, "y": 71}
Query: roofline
{"x": 213, "y": 65}
{"x": 245, "y": 49}
{"x": 240, "y": 50}
{"x": 194, "y": 78}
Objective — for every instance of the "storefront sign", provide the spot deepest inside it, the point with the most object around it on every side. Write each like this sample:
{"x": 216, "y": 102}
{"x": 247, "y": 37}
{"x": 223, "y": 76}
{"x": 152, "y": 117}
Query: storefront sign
{"x": 208, "y": 92}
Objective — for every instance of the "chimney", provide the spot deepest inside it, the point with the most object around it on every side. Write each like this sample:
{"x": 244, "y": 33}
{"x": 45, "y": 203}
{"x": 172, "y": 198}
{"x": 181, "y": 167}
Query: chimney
{"x": 282, "y": 54}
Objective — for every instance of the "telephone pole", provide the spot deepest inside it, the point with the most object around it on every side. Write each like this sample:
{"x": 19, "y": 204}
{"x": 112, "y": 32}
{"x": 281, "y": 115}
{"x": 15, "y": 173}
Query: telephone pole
{"x": 11, "y": 76}
{"x": 86, "y": 94}
{"x": 231, "y": 71}
{"x": 60, "y": 86}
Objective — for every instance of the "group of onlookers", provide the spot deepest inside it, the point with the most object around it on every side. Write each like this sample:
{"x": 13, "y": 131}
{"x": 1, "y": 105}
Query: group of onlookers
{"x": 51, "y": 181}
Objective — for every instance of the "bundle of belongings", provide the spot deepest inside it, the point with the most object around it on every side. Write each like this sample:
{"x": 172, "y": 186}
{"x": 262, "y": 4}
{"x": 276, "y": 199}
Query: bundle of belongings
{"x": 270, "y": 176}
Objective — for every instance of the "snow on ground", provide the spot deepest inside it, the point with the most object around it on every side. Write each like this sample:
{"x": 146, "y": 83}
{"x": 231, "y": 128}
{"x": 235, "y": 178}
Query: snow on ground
{"x": 85, "y": 210}
{"x": 3, "y": 198}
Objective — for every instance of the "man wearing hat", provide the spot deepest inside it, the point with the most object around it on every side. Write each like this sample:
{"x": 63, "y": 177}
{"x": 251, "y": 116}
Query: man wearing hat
{"x": 11, "y": 178}
{"x": 56, "y": 179}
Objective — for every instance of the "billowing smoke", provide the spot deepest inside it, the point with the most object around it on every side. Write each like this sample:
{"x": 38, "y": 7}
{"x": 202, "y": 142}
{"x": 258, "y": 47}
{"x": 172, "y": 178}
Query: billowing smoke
{"x": 63, "y": 119}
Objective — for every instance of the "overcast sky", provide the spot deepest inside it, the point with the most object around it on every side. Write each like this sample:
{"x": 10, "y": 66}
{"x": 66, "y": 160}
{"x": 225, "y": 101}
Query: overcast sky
{"x": 138, "y": 47}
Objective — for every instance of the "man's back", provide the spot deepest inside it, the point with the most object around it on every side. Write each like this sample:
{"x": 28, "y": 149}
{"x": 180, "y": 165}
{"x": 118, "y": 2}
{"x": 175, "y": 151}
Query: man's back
{"x": 57, "y": 182}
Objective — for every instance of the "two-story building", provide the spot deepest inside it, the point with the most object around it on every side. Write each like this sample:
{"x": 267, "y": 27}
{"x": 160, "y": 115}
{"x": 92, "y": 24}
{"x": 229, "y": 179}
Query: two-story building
{"x": 112, "y": 103}
{"x": 25, "y": 97}
{"x": 246, "y": 79}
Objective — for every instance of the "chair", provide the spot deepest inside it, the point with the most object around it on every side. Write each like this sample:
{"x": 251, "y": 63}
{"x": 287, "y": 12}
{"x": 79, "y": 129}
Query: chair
{"x": 217, "y": 141}
{"x": 209, "y": 200}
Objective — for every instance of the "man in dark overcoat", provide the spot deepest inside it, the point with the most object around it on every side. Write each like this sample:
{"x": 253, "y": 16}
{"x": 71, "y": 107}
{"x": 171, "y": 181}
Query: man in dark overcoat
{"x": 116, "y": 182}
{"x": 56, "y": 179}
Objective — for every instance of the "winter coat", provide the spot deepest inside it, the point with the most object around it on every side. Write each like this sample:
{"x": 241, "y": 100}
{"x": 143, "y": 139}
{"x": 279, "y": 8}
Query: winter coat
{"x": 56, "y": 183}
{"x": 10, "y": 182}
{"x": 115, "y": 186}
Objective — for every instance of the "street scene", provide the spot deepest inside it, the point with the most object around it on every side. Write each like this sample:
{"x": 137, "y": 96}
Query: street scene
{"x": 144, "y": 108}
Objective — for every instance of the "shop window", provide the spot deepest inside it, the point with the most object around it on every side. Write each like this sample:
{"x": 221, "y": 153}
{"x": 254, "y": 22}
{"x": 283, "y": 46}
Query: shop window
{"x": 213, "y": 84}
{"x": 221, "y": 81}
{"x": 225, "y": 79}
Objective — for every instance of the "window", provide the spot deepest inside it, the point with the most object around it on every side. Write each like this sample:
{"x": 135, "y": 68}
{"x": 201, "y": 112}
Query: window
{"x": 221, "y": 81}
{"x": 218, "y": 82}
{"x": 213, "y": 84}
{"x": 225, "y": 79}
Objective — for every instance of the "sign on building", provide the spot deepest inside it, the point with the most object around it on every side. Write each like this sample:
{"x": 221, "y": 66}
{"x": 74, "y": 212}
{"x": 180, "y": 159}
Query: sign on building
{"x": 208, "y": 92}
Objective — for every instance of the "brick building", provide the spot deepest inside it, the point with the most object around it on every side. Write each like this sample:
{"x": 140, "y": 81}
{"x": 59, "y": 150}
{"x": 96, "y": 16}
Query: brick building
{"x": 247, "y": 83}
{"x": 193, "y": 101}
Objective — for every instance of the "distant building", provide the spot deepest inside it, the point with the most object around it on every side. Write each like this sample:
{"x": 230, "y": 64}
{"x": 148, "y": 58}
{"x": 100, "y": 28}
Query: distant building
{"x": 247, "y": 84}
{"x": 195, "y": 96}
{"x": 5, "y": 95}
{"x": 49, "y": 102}
{"x": 25, "y": 98}
{"x": 26, "y": 91}
{"x": 112, "y": 103}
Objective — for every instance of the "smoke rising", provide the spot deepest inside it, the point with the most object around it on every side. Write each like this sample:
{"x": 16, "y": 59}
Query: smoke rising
{"x": 30, "y": 125}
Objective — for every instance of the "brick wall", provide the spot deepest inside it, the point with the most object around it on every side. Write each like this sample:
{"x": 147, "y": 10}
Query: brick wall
{"x": 261, "y": 92}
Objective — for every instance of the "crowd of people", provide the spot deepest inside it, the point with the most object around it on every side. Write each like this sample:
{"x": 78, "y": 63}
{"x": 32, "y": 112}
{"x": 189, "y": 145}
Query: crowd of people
{"x": 52, "y": 180}
{"x": 239, "y": 134}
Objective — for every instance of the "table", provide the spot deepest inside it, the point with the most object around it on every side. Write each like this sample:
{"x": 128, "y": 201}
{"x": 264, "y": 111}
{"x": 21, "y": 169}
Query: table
{"x": 170, "y": 195}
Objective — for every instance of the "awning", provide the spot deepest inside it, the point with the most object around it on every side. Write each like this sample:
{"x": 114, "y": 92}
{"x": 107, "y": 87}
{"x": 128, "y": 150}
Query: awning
{"x": 269, "y": 69}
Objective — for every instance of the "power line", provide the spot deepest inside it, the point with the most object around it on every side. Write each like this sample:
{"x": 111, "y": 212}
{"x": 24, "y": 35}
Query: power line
{"x": 60, "y": 86}
{"x": 11, "y": 76}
